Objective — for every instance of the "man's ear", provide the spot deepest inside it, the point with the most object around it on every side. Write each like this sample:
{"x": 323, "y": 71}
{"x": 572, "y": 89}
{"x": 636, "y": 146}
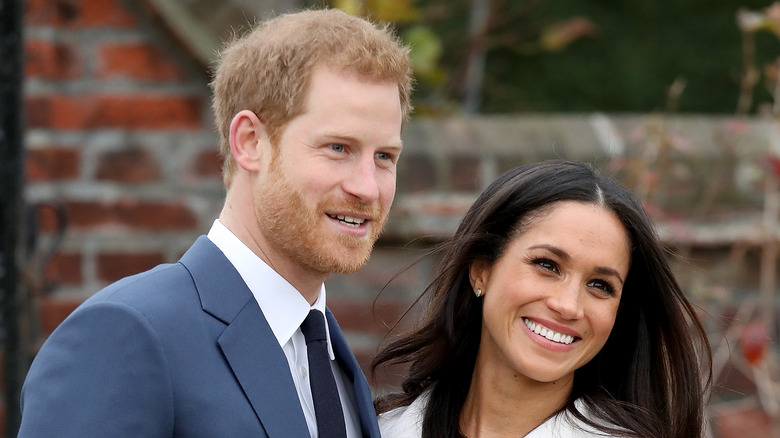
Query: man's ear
{"x": 479, "y": 274}
{"x": 247, "y": 140}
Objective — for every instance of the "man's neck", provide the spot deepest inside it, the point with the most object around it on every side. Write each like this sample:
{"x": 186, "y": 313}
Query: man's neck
{"x": 305, "y": 281}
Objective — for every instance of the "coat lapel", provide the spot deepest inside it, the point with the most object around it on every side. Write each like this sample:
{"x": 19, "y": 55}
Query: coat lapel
{"x": 259, "y": 364}
{"x": 365, "y": 406}
{"x": 249, "y": 346}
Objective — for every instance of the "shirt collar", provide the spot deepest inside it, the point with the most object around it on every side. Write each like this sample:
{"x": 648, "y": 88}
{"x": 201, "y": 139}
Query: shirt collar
{"x": 283, "y": 306}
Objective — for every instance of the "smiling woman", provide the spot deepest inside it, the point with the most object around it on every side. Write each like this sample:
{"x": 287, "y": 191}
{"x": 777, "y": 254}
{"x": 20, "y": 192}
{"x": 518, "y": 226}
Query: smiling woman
{"x": 548, "y": 307}
{"x": 554, "y": 313}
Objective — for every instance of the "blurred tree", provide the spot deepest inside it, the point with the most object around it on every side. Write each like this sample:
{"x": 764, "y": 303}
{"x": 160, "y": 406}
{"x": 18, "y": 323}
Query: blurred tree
{"x": 452, "y": 80}
{"x": 504, "y": 56}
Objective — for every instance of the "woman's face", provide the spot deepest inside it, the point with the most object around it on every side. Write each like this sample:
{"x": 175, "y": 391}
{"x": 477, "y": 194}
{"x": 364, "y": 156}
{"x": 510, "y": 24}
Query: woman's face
{"x": 551, "y": 299}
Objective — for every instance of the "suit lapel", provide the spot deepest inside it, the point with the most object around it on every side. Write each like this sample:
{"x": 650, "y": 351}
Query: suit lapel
{"x": 248, "y": 344}
{"x": 360, "y": 388}
{"x": 260, "y": 366}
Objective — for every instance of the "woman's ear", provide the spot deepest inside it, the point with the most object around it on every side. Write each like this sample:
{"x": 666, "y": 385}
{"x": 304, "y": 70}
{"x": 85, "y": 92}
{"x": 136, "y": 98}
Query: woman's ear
{"x": 479, "y": 274}
{"x": 247, "y": 140}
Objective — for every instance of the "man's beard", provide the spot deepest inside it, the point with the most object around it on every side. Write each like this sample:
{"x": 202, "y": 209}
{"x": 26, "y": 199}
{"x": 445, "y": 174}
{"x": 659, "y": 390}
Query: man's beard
{"x": 300, "y": 232}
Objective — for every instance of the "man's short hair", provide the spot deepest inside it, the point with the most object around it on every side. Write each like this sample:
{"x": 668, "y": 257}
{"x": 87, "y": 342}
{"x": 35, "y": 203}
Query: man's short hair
{"x": 268, "y": 70}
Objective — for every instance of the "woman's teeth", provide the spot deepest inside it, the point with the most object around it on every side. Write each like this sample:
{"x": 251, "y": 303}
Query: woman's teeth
{"x": 547, "y": 333}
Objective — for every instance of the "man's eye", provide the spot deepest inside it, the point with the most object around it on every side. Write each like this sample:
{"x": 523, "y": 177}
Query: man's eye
{"x": 383, "y": 155}
{"x": 337, "y": 147}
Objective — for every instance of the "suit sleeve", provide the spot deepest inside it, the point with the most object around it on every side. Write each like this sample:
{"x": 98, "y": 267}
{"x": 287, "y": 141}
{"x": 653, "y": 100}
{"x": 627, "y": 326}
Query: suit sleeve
{"x": 102, "y": 373}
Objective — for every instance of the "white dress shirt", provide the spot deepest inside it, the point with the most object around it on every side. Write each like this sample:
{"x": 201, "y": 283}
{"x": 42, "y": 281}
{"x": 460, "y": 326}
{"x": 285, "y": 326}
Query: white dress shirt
{"x": 285, "y": 309}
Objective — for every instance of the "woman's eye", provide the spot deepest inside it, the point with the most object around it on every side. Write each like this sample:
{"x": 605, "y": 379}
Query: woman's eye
{"x": 337, "y": 147}
{"x": 546, "y": 264}
{"x": 602, "y": 285}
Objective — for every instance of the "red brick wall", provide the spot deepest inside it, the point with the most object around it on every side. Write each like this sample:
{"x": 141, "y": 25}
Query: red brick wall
{"x": 119, "y": 133}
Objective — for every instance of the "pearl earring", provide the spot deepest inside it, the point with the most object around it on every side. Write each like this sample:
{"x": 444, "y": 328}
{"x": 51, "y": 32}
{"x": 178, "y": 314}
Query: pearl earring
{"x": 479, "y": 292}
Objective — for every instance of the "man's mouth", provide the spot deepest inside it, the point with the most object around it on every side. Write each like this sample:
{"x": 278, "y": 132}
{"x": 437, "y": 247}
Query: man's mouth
{"x": 348, "y": 220}
{"x": 548, "y": 333}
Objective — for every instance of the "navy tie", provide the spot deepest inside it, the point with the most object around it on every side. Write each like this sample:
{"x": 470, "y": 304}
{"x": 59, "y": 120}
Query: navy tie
{"x": 327, "y": 405}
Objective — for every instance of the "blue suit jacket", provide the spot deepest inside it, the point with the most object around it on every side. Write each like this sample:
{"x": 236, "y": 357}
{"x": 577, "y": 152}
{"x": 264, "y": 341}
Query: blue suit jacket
{"x": 182, "y": 350}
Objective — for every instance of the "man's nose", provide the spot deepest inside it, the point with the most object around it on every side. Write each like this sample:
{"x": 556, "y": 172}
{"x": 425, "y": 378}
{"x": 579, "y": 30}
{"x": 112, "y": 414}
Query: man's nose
{"x": 361, "y": 182}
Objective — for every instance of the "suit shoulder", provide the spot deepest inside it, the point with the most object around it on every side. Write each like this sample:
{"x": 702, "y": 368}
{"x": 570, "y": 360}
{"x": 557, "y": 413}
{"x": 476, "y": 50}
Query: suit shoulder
{"x": 162, "y": 286}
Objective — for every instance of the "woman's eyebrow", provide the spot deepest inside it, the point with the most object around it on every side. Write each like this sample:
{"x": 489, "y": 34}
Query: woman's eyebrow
{"x": 603, "y": 270}
{"x": 553, "y": 249}
{"x": 610, "y": 272}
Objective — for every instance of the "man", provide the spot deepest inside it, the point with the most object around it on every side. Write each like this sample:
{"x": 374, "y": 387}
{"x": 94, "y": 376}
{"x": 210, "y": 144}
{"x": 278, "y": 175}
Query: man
{"x": 309, "y": 108}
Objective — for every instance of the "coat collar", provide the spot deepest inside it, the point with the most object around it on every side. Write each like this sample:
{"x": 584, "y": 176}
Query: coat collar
{"x": 253, "y": 352}
{"x": 247, "y": 342}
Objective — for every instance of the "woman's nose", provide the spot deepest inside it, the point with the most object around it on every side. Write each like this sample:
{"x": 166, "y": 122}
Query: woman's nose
{"x": 566, "y": 301}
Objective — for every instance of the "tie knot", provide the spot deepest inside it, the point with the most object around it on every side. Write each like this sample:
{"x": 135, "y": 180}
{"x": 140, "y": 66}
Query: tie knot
{"x": 313, "y": 327}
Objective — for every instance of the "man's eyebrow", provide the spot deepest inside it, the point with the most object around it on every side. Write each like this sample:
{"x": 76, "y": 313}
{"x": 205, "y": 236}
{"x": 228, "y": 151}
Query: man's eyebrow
{"x": 352, "y": 139}
{"x": 398, "y": 147}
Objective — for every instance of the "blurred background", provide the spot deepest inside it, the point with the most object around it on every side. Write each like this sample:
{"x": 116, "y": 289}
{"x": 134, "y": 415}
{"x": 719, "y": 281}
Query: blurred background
{"x": 109, "y": 164}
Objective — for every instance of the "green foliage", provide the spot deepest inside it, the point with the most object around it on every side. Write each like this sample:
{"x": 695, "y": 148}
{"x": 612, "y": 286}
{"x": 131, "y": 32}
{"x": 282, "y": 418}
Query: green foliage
{"x": 580, "y": 55}
{"x": 426, "y": 54}
{"x": 640, "y": 49}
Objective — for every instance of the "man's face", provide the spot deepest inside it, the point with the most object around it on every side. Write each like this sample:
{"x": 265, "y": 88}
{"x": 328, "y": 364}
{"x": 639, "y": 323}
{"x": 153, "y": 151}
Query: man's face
{"x": 332, "y": 180}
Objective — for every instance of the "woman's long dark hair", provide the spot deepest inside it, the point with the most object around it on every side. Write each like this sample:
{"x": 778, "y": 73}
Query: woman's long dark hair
{"x": 650, "y": 378}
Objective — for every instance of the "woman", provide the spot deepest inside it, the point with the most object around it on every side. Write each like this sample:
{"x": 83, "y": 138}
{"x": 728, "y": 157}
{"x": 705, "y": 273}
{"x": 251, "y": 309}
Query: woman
{"x": 553, "y": 313}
